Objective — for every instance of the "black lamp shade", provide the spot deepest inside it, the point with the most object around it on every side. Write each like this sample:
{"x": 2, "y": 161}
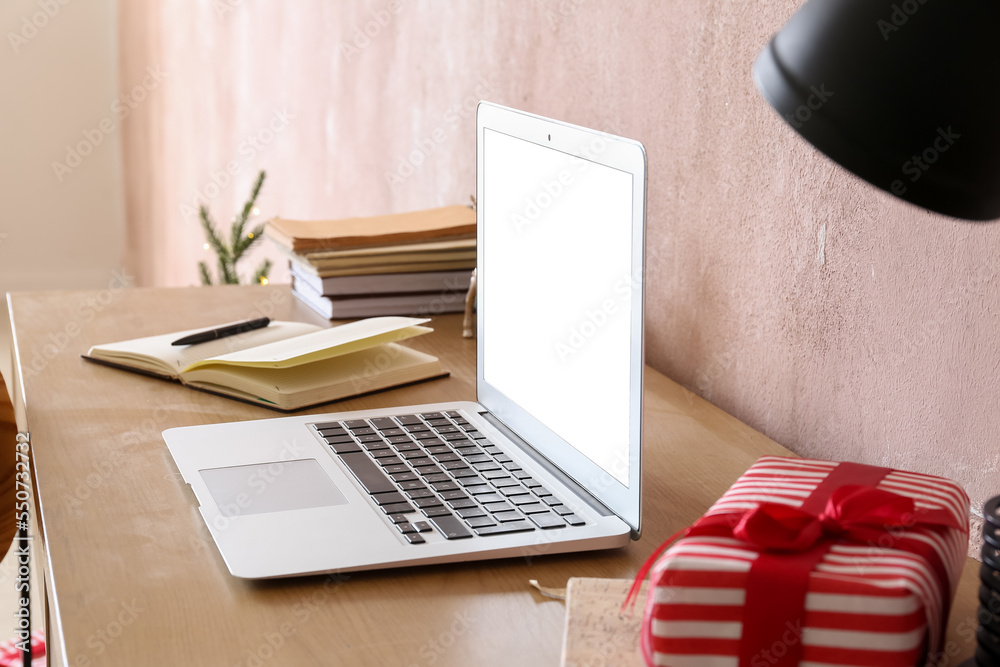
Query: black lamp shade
{"x": 904, "y": 93}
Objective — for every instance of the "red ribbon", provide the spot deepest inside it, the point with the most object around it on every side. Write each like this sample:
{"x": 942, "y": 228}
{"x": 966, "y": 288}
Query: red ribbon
{"x": 853, "y": 512}
{"x": 793, "y": 540}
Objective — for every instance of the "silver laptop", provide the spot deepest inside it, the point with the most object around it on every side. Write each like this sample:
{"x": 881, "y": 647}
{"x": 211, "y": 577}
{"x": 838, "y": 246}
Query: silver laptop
{"x": 547, "y": 460}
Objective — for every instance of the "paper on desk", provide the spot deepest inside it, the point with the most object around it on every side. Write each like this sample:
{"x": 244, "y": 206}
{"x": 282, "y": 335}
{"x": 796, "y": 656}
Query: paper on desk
{"x": 596, "y": 631}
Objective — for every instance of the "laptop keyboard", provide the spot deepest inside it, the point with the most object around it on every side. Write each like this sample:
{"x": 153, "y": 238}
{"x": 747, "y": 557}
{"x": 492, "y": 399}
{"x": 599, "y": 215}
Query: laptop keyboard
{"x": 435, "y": 469}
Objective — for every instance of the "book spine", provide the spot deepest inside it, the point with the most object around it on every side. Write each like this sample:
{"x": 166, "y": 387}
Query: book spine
{"x": 389, "y": 283}
{"x": 409, "y": 305}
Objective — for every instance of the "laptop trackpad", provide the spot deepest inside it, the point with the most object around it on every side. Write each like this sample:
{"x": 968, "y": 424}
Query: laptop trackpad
{"x": 271, "y": 487}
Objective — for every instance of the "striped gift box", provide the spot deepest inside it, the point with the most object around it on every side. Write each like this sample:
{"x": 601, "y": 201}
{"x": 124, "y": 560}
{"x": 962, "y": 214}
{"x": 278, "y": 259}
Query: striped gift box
{"x": 869, "y": 591}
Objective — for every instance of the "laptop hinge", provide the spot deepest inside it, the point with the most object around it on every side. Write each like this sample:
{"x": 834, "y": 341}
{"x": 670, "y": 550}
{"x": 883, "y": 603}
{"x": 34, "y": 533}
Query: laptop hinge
{"x": 547, "y": 465}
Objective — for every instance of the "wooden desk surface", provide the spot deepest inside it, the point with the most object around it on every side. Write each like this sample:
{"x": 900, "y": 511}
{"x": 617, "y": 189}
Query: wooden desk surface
{"x": 134, "y": 577}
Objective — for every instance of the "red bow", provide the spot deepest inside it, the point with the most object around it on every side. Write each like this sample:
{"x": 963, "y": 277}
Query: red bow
{"x": 853, "y": 512}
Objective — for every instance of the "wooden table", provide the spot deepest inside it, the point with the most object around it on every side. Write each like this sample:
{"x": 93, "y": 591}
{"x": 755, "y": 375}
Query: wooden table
{"x": 133, "y": 577}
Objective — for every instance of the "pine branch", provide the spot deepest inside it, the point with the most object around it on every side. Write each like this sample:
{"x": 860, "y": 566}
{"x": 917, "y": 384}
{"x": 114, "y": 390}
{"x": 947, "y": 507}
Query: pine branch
{"x": 261, "y": 273}
{"x": 213, "y": 239}
{"x": 258, "y": 232}
{"x": 242, "y": 242}
{"x": 245, "y": 214}
{"x": 248, "y": 241}
{"x": 227, "y": 276}
{"x": 235, "y": 234}
{"x": 206, "y": 277}
{"x": 239, "y": 242}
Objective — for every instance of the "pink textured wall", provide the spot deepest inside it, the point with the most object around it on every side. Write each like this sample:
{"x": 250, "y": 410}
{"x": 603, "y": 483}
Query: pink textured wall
{"x": 835, "y": 319}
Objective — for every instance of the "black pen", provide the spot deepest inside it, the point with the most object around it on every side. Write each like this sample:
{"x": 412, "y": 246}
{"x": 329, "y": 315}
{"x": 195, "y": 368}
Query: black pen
{"x": 223, "y": 332}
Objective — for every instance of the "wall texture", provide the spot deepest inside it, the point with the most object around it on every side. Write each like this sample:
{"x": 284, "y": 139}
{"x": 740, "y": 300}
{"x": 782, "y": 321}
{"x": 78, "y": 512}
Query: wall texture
{"x": 835, "y": 319}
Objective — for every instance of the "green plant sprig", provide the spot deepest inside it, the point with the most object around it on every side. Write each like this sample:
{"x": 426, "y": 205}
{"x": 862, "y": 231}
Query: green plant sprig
{"x": 240, "y": 242}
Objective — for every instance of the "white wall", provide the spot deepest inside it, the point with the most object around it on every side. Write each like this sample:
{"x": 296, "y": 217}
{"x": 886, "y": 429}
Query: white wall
{"x": 59, "y": 81}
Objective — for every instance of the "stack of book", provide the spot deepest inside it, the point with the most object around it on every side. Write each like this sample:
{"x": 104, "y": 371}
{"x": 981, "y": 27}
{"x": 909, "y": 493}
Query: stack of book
{"x": 417, "y": 263}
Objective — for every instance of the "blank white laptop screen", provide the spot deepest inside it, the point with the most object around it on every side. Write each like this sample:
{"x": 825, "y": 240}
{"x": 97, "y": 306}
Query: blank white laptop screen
{"x": 556, "y": 298}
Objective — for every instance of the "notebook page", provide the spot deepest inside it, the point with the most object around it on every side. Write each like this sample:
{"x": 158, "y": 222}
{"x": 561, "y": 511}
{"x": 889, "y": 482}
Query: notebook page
{"x": 320, "y": 382}
{"x": 155, "y": 353}
{"x": 330, "y": 378}
{"x": 322, "y": 344}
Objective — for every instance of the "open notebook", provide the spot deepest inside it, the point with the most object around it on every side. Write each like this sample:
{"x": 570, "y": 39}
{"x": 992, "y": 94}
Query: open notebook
{"x": 286, "y": 365}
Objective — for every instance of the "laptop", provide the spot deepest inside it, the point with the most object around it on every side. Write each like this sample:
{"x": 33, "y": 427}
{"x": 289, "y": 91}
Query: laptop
{"x": 547, "y": 460}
